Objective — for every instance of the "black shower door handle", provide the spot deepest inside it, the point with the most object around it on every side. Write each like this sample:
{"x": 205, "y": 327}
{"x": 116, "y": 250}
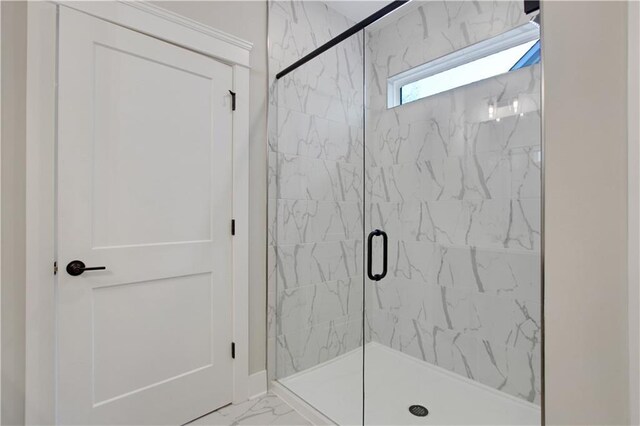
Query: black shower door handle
{"x": 372, "y": 276}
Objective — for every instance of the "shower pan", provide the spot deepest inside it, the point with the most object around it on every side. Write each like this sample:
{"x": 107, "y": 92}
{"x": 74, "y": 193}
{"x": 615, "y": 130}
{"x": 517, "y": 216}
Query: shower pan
{"x": 405, "y": 227}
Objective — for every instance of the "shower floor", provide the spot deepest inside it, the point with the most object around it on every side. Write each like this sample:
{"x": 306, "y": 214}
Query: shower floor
{"x": 396, "y": 381}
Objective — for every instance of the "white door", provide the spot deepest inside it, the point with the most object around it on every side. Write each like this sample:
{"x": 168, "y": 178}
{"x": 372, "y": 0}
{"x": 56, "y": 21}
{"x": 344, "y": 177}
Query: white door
{"x": 144, "y": 189}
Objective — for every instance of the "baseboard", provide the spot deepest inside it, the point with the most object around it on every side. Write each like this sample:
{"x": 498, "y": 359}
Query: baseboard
{"x": 257, "y": 384}
{"x": 303, "y": 408}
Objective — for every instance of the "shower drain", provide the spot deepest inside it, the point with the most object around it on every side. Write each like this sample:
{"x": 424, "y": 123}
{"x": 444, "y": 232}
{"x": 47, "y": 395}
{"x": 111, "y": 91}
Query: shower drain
{"x": 418, "y": 410}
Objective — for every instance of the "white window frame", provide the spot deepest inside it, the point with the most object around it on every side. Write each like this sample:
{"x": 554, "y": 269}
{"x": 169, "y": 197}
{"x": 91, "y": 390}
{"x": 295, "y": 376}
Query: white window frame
{"x": 517, "y": 36}
{"x": 40, "y": 398}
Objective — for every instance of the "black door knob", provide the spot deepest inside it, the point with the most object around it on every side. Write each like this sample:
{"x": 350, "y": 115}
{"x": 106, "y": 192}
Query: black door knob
{"x": 77, "y": 267}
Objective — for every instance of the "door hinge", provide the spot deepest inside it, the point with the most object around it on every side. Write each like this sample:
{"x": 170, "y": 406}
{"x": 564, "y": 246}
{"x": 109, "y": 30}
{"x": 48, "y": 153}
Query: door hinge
{"x": 55, "y": 268}
{"x": 233, "y": 350}
{"x": 233, "y": 100}
{"x": 233, "y": 227}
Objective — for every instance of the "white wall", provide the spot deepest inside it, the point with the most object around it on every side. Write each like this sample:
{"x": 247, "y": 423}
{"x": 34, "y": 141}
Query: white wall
{"x": 247, "y": 20}
{"x": 12, "y": 192}
{"x": 584, "y": 57}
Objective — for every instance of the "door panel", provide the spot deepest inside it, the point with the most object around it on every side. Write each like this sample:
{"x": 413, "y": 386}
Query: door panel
{"x": 123, "y": 336}
{"x": 122, "y": 147}
{"x": 144, "y": 189}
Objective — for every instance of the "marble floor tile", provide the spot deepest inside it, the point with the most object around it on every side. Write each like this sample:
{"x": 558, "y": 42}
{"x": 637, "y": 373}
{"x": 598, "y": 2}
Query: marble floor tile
{"x": 262, "y": 411}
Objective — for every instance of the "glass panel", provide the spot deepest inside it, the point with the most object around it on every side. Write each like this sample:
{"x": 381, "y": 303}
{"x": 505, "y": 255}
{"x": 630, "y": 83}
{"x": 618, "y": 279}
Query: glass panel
{"x": 316, "y": 198}
{"x": 454, "y": 180}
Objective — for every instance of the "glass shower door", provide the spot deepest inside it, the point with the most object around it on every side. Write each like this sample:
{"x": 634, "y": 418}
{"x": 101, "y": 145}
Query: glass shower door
{"x": 452, "y": 224}
{"x": 316, "y": 248}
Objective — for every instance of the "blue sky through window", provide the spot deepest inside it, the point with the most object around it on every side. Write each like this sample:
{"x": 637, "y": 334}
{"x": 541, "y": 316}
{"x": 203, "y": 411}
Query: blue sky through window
{"x": 506, "y": 60}
{"x": 532, "y": 57}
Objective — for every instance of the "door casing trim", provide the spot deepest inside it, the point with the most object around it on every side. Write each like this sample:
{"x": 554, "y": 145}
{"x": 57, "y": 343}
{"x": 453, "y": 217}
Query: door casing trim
{"x": 40, "y": 395}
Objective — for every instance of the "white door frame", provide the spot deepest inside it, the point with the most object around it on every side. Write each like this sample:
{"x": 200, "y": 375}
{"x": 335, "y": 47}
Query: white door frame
{"x": 41, "y": 167}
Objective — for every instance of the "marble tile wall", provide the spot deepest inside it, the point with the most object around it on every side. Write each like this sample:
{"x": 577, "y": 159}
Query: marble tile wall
{"x": 315, "y": 189}
{"x": 458, "y": 193}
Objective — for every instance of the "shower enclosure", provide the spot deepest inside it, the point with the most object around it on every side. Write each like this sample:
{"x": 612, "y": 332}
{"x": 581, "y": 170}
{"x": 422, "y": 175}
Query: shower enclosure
{"x": 405, "y": 212}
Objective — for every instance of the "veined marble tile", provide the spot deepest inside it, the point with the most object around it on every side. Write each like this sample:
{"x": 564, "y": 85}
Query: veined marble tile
{"x": 440, "y": 222}
{"x": 514, "y": 173}
{"x": 296, "y": 95}
{"x": 440, "y": 27}
{"x": 298, "y": 27}
{"x": 303, "y": 178}
{"x": 315, "y": 137}
{"x": 311, "y": 346}
{"x": 510, "y": 370}
{"x": 384, "y": 216}
{"x": 526, "y": 170}
{"x": 272, "y": 176}
{"x": 302, "y": 264}
{"x": 272, "y": 230}
{"x": 510, "y": 322}
{"x": 302, "y": 221}
{"x": 308, "y": 306}
{"x": 415, "y": 261}
{"x": 500, "y": 272}
{"x": 504, "y": 224}
{"x": 261, "y": 411}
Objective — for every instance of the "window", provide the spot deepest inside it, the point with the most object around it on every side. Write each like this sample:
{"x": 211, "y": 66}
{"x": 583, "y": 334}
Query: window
{"x": 512, "y": 50}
